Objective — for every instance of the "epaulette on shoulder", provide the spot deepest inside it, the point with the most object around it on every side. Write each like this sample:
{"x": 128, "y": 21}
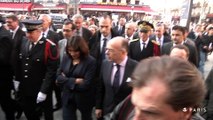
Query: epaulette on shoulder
{"x": 52, "y": 43}
{"x": 155, "y": 42}
{"x": 134, "y": 40}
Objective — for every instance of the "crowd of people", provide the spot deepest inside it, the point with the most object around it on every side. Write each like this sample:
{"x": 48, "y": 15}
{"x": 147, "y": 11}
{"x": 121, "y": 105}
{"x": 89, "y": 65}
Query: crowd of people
{"x": 126, "y": 71}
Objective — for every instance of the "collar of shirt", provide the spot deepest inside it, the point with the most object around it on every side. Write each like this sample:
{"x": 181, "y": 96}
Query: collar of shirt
{"x": 14, "y": 31}
{"x": 180, "y": 44}
{"x": 46, "y": 32}
{"x": 107, "y": 37}
{"x": 38, "y": 40}
{"x": 122, "y": 70}
{"x": 161, "y": 39}
{"x": 147, "y": 41}
{"x": 130, "y": 38}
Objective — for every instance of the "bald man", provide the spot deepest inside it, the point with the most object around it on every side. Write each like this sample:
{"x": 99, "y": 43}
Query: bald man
{"x": 113, "y": 84}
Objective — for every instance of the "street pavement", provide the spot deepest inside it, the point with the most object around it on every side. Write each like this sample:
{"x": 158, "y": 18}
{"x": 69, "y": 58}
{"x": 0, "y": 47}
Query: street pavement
{"x": 58, "y": 114}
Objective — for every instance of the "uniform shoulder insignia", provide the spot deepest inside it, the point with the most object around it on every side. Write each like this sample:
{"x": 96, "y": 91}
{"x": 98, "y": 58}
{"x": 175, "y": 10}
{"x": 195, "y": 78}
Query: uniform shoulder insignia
{"x": 52, "y": 43}
{"x": 155, "y": 42}
{"x": 133, "y": 40}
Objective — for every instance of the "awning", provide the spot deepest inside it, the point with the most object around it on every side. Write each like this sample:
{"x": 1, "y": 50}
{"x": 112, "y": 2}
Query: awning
{"x": 116, "y": 8}
{"x": 49, "y": 7}
{"x": 209, "y": 15}
{"x": 15, "y": 6}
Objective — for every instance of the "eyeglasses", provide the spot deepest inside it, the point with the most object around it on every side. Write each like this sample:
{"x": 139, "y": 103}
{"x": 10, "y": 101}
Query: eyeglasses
{"x": 67, "y": 30}
{"x": 109, "y": 50}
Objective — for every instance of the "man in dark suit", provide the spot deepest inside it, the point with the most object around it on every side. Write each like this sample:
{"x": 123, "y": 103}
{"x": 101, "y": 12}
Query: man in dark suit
{"x": 114, "y": 77}
{"x": 81, "y": 31}
{"x": 6, "y": 75}
{"x": 178, "y": 37}
{"x": 130, "y": 29}
{"x": 39, "y": 61}
{"x": 17, "y": 36}
{"x": 99, "y": 40}
{"x": 159, "y": 37}
{"x": 143, "y": 47}
{"x": 120, "y": 28}
{"x": 46, "y": 32}
{"x": 53, "y": 36}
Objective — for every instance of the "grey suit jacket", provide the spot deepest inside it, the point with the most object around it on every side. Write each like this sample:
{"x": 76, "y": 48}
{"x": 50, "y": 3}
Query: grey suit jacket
{"x": 62, "y": 48}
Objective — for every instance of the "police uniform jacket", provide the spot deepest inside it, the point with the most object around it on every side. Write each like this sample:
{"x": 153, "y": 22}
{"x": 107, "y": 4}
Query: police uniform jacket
{"x": 37, "y": 72}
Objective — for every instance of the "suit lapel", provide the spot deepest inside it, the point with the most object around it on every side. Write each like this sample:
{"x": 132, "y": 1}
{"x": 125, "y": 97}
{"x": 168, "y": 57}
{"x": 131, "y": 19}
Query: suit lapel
{"x": 109, "y": 73}
{"x": 125, "y": 73}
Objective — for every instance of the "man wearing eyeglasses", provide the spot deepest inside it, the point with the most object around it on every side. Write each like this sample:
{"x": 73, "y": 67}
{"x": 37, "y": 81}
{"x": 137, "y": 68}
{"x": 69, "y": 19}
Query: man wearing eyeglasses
{"x": 39, "y": 63}
{"x": 68, "y": 30}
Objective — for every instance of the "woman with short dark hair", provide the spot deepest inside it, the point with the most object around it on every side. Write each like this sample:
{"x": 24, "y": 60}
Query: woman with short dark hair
{"x": 76, "y": 76}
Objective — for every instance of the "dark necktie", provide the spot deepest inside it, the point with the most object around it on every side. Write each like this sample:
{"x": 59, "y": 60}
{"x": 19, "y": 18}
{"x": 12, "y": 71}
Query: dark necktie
{"x": 144, "y": 46}
{"x": 116, "y": 81}
{"x": 120, "y": 30}
{"x": 32, "y": 45}
{"x": 43, "y": 35}
{"x": 78, "y": 32}
{"x": 103, "y": 48}
{"x": 13, "y": 35}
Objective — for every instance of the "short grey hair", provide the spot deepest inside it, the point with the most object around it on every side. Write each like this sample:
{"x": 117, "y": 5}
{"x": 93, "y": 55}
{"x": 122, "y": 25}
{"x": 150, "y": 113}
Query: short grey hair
{"x": 76, "y": 16}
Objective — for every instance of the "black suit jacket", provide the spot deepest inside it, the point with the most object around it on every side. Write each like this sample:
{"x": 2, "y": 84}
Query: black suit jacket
{"x": 53, "y": 36}
{"x": 136, "y": 53}
{"x": 95, "y": 48}
{"x": 86, "y": 34}
{"x": 120, "y": 33}
{"x": 36, "y": 74}
{"x": 106, "y": 99}
{"x": 83, "y": 93}
{"x": 165, "y": 39}
{"x": 193, "y": 56}
{"x": 17, "y": 41}
{"x": 5, "y": 54}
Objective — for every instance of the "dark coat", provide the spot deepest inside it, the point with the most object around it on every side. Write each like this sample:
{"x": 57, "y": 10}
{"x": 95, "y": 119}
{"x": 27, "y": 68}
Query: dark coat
{"x": 36, "y": 74}
{"x": 106, "y": 99}
{"x": 193, "y": 55}
{"x": 17, "y": 41}
{"x": 136, "y": 53}
{"x": 120, "y": 33}
{"x": 53, "y": 36}
{"x": 5, "y": 55}
{"x": 86, "y": 34}
{"x": 165, "y": 39}
{"x": 95, "y": 50}
{"x": 83, "y": 93}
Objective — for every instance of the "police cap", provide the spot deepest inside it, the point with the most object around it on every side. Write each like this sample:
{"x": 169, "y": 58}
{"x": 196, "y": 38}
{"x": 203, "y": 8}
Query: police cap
{"x": 145, "y": 26}
{"x": 32, "y": 25}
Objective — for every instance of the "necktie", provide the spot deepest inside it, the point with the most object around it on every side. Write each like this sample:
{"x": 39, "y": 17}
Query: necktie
{"x": 159, "y": 40}
{"x": 116, "y": 81}
{"x": 78, "y": 32}
{"x": 43, "y": 35}
{"x": 13, "y": 35}
{"x": 120, "y": 30}
{"x": 103, "y": 48}
{"x": 32, "y": 45}
{"x": 144, "y": 46}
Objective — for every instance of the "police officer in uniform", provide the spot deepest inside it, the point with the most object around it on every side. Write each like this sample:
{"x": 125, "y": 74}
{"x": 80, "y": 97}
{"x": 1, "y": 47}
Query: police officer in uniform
{"x": 39, "y": 59}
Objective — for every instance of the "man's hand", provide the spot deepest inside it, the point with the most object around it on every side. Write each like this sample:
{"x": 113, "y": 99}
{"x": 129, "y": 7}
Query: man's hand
{"x": 79, "y": 81}
{"x": 98, "y": 113}
{"x": 41, "y": 97}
